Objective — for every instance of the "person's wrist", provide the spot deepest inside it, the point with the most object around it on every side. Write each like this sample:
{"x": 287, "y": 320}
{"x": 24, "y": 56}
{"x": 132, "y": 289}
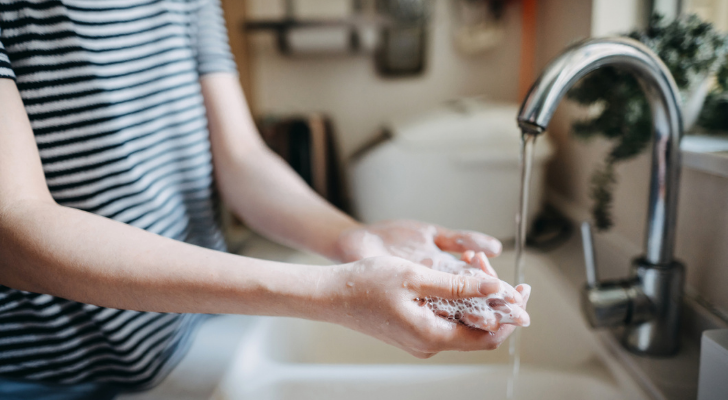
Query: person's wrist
{"x": 327, "y": 296}
{"x": 344, "y": 246}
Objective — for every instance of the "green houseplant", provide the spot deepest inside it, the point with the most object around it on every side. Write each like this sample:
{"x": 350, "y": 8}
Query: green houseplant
{"x": 693, "y": 51}
{"x": 714, "y": 117}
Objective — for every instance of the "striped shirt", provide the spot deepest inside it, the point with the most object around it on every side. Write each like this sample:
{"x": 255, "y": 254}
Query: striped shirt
{"x": 112, "y": 91}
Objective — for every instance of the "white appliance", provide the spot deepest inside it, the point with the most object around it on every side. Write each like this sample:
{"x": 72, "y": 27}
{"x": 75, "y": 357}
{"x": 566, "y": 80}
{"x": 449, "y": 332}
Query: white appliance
{"x": 457, "y": 166}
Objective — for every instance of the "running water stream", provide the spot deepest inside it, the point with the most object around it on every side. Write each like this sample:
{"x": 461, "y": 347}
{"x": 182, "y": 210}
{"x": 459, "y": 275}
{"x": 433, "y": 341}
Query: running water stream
{"x": 528, "y": 141}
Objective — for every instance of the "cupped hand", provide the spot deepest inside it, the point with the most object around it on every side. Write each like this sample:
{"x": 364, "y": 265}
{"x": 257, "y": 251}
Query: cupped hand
{"x": 383, "y": 297}
{"x": 487, "y": 313}
{"x": 419, "y": 242}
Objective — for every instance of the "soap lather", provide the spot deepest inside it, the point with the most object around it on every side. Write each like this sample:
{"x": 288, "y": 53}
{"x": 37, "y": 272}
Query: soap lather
{"x": 484, "y": 313}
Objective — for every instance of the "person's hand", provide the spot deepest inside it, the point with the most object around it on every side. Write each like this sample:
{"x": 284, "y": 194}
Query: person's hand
{"x": 422, "y": 243}
{"x": 481, "y": 313}
{"x": 382, "y": 297}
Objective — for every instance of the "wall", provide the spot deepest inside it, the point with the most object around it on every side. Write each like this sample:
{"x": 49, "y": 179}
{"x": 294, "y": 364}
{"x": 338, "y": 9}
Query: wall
{"x": 359, "y": 101}
{"x": 611, "y": 17}
{"x": 702, "y": 231}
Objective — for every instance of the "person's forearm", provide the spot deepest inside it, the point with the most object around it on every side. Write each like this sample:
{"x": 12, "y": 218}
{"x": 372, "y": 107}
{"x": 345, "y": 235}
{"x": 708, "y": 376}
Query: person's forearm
{"x": 46, "y": 248}
{"x": 274, "y": 201}
{"x": 257, "y": 185}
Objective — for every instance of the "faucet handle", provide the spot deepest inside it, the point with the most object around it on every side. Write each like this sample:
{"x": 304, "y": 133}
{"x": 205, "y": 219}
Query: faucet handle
{"x": 609, "y": 303}
{"x": 589, "y": 260}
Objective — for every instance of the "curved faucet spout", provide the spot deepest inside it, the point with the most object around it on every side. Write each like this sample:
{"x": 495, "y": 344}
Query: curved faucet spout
{"x": 663, "y": 97}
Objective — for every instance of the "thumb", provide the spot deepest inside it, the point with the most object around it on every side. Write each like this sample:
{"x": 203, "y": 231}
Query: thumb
{"x": 449, "y": 286}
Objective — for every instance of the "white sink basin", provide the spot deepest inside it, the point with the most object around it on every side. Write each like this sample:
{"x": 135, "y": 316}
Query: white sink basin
{"x": 284, "y": 358}
{"x": 394, "y": 382}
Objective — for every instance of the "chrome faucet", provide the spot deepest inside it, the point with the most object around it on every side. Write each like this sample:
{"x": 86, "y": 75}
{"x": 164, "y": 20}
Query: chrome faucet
{"x": 647, "y": 303}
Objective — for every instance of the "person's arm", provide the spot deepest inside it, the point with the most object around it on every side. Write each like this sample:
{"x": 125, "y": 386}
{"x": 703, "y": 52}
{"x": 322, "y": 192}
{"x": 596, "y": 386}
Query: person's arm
{"x": 257, "y": 184}
{"x": 265, "y": 192}
{"x": 48, "y": 248}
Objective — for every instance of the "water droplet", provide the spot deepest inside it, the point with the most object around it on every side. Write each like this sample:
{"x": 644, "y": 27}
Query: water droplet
{"x": 350, "y": 284}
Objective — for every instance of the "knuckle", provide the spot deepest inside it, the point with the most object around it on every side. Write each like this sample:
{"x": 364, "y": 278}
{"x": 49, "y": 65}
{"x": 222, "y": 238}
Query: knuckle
{"x": 411, "y": 279}
{"x": 409, "y": 274}
{"x": 458, "y": 286}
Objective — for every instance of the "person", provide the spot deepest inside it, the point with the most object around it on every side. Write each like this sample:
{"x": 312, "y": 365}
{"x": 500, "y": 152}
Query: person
{"x": 121, "y": 123}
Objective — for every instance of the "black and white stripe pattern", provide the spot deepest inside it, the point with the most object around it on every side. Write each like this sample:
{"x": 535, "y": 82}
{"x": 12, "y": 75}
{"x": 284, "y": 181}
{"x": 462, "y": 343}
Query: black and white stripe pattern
{"x": 112, "y": 91}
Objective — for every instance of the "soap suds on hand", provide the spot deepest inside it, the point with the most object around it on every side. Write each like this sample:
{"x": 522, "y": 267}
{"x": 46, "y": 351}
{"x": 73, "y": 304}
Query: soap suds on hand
{"x": 485, "y": 313}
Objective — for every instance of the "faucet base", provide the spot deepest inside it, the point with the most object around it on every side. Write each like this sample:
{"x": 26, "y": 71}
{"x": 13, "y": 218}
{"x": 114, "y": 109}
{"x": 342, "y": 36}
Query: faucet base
{"x": 654, "y": 326}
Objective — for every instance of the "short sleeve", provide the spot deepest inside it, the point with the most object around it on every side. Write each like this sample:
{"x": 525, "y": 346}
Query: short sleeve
{"x": 6, "y": 70}
{"x": 211, "y": 40}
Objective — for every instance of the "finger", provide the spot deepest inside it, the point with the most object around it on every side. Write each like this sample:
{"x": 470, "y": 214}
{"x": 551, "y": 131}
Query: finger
{"x": 525, "y": 291}
{"x": 520, "y": 316}
{"x": 467, "y": 256}
{"x": 449, "y": 286}
{"x": 461, "y": 241}
{"x": 484, "y": 321}
{"x": 499, "y": 314}
{"x": 463, "y": 338}
{"x": 510, "y": 294}
{"x": 479, "y": 260}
